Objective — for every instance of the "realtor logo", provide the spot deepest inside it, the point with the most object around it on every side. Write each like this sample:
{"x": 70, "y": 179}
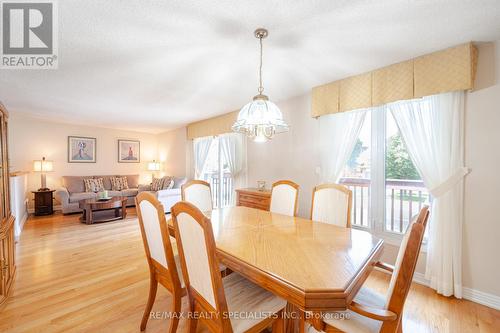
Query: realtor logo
{"x": 29, "y": 35}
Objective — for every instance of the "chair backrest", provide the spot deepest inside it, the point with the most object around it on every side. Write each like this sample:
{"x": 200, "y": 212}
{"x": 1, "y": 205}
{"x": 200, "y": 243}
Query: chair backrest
{"x": 331, "y": 203}
{"x": 198, "y": 193}
{"x": 200, "y": 266}
{"x": 406, "y": 262}
{"x": 284, "y": 195}
{"x": 155, "y": 236}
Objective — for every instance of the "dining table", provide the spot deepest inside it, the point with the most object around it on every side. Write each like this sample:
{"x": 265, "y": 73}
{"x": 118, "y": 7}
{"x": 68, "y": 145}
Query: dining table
{"x": 314, "y": 266}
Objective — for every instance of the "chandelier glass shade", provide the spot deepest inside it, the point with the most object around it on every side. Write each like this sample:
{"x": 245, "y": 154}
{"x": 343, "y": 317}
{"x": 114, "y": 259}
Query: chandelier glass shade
{"x": 260, "y": 119}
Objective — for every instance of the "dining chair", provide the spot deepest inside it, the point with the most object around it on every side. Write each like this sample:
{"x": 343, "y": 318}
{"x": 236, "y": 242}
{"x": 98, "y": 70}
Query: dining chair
{"x": 198, "y": 193}
{"x": 161, "y": 253}
{"x": 212, "y": 297}
{"x": 371, "y": 312}
{"x": 284, "y": 195}
{"x": 331, "y": 203}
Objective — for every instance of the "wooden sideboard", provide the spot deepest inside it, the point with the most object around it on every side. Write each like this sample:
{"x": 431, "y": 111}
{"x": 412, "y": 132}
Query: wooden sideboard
{"x": 7, "y": 255}
{"x": 253, "y": 198}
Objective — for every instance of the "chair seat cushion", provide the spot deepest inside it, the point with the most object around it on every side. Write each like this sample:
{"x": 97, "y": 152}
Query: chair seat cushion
{"x": 350, "y": 321}
{"x": 246, "y": 298}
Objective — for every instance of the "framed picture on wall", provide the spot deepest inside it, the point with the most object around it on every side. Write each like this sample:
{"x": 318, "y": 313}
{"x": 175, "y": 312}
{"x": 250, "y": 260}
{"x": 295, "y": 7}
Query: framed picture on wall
{"x": 129, "y": 151}
{"x": 81, "y": 149}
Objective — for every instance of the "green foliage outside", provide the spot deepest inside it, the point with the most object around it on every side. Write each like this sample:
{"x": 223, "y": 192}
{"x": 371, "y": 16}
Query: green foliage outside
{"x": 398, "y": 164}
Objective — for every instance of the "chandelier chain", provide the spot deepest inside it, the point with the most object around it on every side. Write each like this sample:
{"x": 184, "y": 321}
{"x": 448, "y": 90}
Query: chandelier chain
{"x": 261, "y": 88}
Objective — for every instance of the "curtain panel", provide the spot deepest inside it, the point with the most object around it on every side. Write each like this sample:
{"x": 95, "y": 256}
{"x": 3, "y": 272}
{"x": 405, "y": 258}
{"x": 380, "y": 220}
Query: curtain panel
{"x": 338, "y": 134}
{"x": 201, "y": 148}
{"x": 233, "y": 149}
{"x": 432, "y": 129}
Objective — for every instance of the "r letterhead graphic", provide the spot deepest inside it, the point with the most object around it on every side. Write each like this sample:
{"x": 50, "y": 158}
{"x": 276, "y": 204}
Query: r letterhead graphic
{"x": 29, "y": 34}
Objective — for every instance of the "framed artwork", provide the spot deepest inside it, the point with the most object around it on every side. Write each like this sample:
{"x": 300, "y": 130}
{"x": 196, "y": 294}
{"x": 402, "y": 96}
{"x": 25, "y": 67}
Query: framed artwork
{"x": 81, "y": 149}
{"x": 129, "y": 151}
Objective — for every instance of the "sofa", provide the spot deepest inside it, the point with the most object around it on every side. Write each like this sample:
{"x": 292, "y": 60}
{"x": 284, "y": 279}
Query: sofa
{"x": 169, "y": 197}
{"x": 73, "y": 190}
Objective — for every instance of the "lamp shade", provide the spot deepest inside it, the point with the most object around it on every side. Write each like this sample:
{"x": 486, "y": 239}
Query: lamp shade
{"x": 43, "y": 165}
{"x": 154, "y": 166}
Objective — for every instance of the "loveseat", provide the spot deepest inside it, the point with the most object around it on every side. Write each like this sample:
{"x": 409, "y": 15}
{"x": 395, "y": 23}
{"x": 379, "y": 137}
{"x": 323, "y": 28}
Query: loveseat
{"x": 168, "y": 197}
{"x": 73, "y": 190}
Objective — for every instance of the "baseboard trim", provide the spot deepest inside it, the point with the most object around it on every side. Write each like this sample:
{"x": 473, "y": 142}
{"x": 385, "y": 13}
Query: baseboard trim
{"x": 473, "y": 295}
{"x": 489, "y": 300}
{"x": 21, "y": 226}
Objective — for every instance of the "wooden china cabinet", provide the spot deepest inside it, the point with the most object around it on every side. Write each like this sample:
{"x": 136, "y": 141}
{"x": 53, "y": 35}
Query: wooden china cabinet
{"x": 7, "y": 262}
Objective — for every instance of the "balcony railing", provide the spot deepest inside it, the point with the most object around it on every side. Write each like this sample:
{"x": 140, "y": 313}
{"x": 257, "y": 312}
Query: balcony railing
{"x": 225, "y": 197}
{"x": 403, "y": 199}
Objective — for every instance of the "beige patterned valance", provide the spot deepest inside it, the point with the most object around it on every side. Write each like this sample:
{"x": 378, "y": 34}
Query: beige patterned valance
{"x": 212, "y": 126}
{"x": 327, "y": 92}
{"x": 448, "y": 70}
{"x": 355, "y": 92}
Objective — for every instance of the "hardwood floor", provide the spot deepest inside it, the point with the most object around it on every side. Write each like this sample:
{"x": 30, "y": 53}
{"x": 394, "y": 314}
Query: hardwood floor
{"x": 73, "y": 277}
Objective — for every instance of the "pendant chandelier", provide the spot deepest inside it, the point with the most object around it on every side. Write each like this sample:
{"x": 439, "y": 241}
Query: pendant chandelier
{"x": 260, "y": 119}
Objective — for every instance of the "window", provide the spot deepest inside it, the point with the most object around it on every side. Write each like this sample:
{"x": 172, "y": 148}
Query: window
{"x": 387, "y": 188}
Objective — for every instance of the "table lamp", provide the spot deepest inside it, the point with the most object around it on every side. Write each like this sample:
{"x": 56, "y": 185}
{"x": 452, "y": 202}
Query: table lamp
{"x": 153, "y": 166}
{"x": 43, "y": 166}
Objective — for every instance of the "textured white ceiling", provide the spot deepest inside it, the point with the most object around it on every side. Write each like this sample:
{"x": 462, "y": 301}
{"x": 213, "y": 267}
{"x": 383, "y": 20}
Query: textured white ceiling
{"x": 156, "y": 65}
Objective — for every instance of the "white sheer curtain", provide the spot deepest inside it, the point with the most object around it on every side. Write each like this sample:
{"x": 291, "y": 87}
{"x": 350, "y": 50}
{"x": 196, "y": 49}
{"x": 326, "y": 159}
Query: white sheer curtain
{"x": 338, "y": 134}
{"x": 201, "y": 148}
{"x": 432, "y": 128}
{"x": 233, "y": 148}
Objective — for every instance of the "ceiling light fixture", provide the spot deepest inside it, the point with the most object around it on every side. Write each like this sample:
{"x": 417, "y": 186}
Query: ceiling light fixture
{"x": 260, "y": 119}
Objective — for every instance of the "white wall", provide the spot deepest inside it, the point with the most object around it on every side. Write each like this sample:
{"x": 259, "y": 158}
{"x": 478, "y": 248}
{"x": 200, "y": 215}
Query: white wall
{"x": 172, "y": 152}
{"x": 31, "y": 139}
{"x": 292, "y": 155}
{"x": 481, "y": 238}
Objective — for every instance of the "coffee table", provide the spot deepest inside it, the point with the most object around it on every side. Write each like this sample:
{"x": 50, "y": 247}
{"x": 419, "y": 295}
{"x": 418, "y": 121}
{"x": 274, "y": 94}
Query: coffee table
{"x": 90, "y": 206}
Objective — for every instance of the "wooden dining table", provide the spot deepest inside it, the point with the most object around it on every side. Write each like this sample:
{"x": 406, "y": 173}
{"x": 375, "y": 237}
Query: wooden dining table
{"x": 314, "y": 266}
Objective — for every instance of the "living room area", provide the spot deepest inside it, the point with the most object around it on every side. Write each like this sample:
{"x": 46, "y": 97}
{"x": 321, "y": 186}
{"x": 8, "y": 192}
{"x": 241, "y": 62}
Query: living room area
{"x": 249, "y": 166}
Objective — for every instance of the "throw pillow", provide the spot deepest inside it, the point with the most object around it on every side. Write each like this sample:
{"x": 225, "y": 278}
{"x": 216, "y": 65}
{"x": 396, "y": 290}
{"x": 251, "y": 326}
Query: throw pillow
{"x": 93, "y": 185}
{"x": 156, "y": 184}
{"x": 168, "y": 183}
{"x": 119, "y": 183}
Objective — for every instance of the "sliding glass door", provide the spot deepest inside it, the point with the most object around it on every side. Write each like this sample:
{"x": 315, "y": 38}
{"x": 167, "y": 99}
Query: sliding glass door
{"x": 217, "y": 173}
{"x": 387, "y": 189}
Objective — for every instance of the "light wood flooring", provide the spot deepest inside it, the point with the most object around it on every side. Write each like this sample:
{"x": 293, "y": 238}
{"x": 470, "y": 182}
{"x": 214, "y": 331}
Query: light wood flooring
{"x": 73, "y": 277}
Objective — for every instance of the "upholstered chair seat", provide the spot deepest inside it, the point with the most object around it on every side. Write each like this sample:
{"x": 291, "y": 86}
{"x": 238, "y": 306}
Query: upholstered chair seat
{"x": 350, "y": 321}
{"x": 244, "y": 296}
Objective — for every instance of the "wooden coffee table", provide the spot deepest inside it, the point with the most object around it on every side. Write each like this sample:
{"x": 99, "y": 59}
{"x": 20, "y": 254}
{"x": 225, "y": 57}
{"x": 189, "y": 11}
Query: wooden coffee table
{"x": 90, "y": 206}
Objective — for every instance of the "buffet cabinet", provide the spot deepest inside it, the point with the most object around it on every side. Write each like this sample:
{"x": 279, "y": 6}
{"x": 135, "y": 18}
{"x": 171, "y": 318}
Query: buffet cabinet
{"x": 253, "y": 198}
{"x": 7, "y": 254}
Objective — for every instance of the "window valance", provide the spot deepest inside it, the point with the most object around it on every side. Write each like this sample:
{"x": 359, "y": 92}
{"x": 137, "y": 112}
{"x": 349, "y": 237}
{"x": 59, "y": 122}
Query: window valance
{"x": 443, "y": 71}
{"x": 212, "y": 126}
